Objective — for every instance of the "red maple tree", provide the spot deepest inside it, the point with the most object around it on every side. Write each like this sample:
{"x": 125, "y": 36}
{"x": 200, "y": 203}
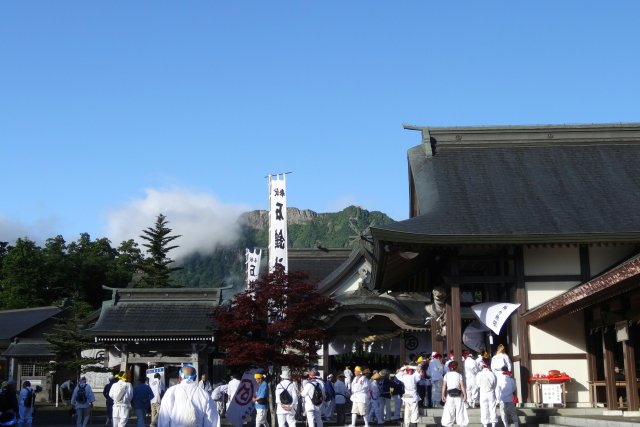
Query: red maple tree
{"x": 276, "y": 322}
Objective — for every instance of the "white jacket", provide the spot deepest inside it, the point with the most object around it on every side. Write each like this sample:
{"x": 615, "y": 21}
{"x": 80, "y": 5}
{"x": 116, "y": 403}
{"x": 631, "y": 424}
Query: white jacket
{"x": 360, "y": 389}
{"x": 121, "y": 407}
{"x": 174, "y": 403}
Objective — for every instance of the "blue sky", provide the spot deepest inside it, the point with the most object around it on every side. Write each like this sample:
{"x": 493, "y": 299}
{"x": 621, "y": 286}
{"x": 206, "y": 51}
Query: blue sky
{"x": 111, "y": 112}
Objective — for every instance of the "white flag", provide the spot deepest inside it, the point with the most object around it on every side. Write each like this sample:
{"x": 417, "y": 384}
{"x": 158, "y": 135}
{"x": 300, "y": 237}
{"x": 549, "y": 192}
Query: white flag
{"x": 278, "y": 223}
{"x": 242, "y": 402}
{"x": 494, "y": 314}
{"x": 253, "y": 264}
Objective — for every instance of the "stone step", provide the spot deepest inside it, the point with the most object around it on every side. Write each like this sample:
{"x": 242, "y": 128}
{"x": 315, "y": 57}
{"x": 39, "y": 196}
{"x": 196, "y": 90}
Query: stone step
{"x": 602, "y": 421}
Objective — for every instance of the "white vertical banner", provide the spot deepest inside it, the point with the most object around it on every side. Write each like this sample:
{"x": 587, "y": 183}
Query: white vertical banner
{"x": 278, "y": 222}
{"x": 252, "y": 260}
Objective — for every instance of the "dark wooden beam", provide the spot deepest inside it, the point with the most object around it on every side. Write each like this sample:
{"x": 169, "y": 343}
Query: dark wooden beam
{"x": 524, "y": 346}
{"x": 585, "y": 265}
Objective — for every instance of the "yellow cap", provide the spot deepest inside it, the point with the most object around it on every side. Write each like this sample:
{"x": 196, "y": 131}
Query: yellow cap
{"x": 257, "y": 375}
{"x": 357, "y": 369}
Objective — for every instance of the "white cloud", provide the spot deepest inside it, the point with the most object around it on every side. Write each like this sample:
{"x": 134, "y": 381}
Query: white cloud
{"x": 11, "y": 230}
{"x": 203, "y": 222}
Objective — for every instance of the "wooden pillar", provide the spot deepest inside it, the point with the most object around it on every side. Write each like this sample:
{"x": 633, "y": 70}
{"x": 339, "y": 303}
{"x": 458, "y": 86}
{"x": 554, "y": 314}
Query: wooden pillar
{"x": 608, "y": 344}
{"x": 436, "y": 344}
{"x": 629, "y": 354}
{"x": 456, "y": 327}
{"x": 403, "y": 350}
{"x": 524, "y": 346}
{"x": 454, "y": 317}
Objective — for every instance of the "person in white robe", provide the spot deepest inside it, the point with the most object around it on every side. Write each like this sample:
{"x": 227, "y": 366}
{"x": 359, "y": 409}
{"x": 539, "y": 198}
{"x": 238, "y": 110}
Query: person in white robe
{"x": 187, "y": 405}
{"x": 286, "y": 412}
{"x": 409, "y": 377}
{"x": 232, "y": 387}
{"x": 454, "y": 395}
{"x": 500, "y": 360}
{"x": 470, "y": 372}
{"x": 359, "y": 397}
{"x": 486, "y": 381}
{"x": 312, "y": 411}
{"x": 121, "y": 393}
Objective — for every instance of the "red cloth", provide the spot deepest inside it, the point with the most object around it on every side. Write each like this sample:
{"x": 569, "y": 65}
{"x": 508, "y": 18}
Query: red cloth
{"x": 560, "y": 379}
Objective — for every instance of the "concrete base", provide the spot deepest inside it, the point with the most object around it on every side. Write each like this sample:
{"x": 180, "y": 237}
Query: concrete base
{"x": 612, "y": 413}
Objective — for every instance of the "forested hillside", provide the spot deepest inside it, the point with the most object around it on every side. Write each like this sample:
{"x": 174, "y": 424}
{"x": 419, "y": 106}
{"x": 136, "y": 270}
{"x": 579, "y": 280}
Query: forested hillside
{"x": 307, "y": 229}
{"x": 34, "y": 276}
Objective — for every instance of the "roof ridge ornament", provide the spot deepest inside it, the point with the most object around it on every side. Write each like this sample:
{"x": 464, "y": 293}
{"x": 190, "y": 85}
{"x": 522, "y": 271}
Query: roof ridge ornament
{"x": 428, "y": 142}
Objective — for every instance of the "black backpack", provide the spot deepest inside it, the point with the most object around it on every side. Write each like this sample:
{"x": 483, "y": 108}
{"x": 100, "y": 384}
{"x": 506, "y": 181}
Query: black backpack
{"x": 317, "y": 397}
{"x": 81, "y": 396}
{"x": 285, "y": 396}
{"x": 28, "y": 400}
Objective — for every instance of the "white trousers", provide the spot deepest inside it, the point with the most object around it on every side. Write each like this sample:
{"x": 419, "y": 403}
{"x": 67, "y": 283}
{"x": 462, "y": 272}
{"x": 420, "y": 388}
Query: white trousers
{"x": 287, "y": 419}
{"x": 472, "y": 391}
{"x": 411, "y": 414}
{"x": 454, "y": 412}
{"x": 313, "y": 418}
{"x": 488, "y": 413}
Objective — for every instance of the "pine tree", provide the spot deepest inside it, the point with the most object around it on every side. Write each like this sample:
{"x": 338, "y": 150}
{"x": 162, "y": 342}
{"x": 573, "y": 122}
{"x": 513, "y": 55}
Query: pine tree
{"x": 276, "y": 322}
{"x": 156, "y": 268}
{"x": 69, "y": 340}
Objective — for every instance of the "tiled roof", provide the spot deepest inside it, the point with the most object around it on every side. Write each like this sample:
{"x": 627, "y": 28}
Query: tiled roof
{"x": 25, "y": 348}
{"x": 14, "y": 322}
{"x": 157, "y": 313}
{"x": 164, "y": 318}
{"x": 317, "y": 263}
{"x": 582, "y": 189}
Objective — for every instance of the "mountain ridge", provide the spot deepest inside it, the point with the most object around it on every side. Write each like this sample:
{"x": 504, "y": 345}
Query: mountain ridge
{"x": 306, "y": 229}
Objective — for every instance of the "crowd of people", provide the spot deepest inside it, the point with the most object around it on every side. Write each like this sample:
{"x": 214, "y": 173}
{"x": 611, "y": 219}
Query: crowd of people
{"x": 455, "y": 384}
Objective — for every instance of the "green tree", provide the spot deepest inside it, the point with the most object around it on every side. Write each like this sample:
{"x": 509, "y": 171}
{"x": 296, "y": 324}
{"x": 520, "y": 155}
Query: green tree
{"x": 23, "y": 281}
{"x": 68, "y": 340}
{"x": 92, "y": 266}
{"x": 57, "y": 269}
{"x": 128, "y": 262}
{"x": 156, "y": 268}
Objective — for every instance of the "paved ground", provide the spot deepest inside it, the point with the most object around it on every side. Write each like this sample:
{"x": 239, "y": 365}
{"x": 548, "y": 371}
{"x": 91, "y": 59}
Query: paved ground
{"x": 50, "y": 416}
